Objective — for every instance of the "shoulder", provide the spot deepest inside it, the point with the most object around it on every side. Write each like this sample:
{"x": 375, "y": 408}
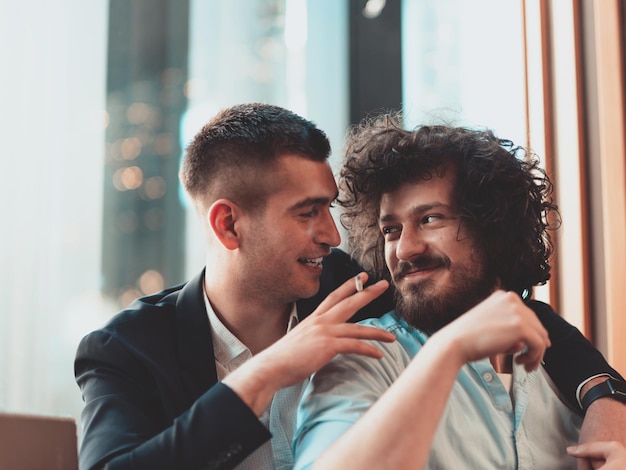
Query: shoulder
{"x": 150, "y": 326}
{"x": 147, "y": 324}
{"x": 390, "y": 321}
{"x": 144, "y": 315}
{"x": 396, "y": 355}
{"x": 408, "y": 339}
{"x": 539, "y": 307}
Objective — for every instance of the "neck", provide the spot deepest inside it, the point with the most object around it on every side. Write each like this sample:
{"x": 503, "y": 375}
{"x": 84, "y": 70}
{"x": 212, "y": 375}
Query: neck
{"x": 255, "y": 322}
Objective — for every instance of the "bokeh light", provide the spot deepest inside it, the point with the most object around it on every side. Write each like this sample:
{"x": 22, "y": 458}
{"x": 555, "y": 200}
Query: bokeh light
{"x": 128, "y": 178}
{"x": 151, "y": 281}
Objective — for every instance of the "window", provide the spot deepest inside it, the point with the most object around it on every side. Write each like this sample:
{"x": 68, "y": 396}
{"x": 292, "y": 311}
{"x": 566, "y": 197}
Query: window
{"x": 463, "y": 62}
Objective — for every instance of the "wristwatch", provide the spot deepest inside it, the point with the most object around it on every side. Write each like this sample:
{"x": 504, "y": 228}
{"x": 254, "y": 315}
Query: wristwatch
{"x": 611, "y": 388}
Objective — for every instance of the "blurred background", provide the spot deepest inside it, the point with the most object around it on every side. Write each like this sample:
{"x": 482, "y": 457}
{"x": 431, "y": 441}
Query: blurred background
{"x": 99, "y": 99}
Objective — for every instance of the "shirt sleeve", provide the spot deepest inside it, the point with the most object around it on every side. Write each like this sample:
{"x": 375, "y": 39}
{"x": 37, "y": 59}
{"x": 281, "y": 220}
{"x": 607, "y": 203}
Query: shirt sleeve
{"x": 338, "y": 395}
{"x": 571, "y": 360}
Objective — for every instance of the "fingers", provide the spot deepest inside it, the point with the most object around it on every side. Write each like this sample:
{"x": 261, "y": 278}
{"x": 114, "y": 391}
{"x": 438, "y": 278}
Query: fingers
{"x": 532, "y": 358}
{"x": 355, "y": 346}
{"x": 346, "y": 300}
{"x": 533, "y": 337}
{"x": 601, "y": 449}
{"x": 361, "y": 332}
{"x": 341, "y": 292}
{"x": 519, "y": 347}
{"x": 353, "y": 336}
{"x": 351, "y": 304}
{"x": 536, "y": 343}
{"x": 605, "y": 455}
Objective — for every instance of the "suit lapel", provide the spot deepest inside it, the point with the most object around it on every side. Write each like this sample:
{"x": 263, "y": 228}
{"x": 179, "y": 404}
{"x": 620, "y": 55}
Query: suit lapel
{"x": 195, "y": 346}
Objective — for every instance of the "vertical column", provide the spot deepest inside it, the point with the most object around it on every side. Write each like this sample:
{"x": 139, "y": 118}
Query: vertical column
{"x": 143, "y": 221}
{"x": 375, "y": 57}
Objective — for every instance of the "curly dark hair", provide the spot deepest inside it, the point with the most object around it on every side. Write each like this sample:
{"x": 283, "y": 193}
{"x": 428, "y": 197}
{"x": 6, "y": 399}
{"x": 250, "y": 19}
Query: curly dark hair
{"x": 503, "y": 196}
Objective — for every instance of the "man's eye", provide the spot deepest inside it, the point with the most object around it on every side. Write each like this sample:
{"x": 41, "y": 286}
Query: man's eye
{"x": 311, "y": 213}
{"x": 436, "y": 221}
{"x": 389, "y": 230}
{"x": 432, "y": 218}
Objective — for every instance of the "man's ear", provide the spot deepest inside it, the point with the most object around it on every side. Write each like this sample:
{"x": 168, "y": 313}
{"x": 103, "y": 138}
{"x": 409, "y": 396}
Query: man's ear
{"x": 223, "y": 217}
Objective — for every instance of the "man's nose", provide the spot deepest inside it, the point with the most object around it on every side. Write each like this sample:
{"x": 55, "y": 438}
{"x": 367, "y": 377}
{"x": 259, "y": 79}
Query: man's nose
{"x": 327, "y": 233}
{"x": 410, "y": 244}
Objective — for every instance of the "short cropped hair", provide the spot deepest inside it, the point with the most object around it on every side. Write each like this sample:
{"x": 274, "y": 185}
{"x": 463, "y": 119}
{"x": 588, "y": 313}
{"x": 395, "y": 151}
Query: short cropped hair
{"x": 233, "y": 154}
{"x": 502, "y": 195}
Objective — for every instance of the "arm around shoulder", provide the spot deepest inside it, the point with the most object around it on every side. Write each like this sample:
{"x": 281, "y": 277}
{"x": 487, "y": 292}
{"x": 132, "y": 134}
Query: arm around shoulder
{"x": 572, "y": 359}
{"x": 135, "y": 418}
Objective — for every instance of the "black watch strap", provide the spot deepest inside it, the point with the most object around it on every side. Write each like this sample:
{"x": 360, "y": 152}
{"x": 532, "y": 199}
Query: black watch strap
{"x": 611, "y": 388}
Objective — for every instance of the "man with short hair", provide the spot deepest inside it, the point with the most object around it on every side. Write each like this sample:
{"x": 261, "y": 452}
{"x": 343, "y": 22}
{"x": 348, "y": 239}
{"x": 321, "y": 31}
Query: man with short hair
{"x": 203, "y": 374}
{"x": 452, "y": 217}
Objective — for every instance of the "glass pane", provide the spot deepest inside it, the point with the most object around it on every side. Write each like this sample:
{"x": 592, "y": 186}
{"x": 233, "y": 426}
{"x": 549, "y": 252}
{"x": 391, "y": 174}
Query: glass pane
{"x": 77, "y": 110}
{"x": 292, "y": 53}
{"x": 463, "y": 61}
{"x": 52, "y": 127}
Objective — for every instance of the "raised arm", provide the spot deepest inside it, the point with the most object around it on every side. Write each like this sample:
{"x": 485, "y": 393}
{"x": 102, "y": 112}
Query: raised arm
{"x": 387, "y": 436}
{"x": 570, "y": 361}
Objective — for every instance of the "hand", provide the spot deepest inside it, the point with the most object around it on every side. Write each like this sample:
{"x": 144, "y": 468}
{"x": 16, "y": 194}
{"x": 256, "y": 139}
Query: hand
{"x": 325, "y": 333}
{"x": 310, "y": 345}
{"x": 611, "y": 453}
{"x": 500, "y": 324}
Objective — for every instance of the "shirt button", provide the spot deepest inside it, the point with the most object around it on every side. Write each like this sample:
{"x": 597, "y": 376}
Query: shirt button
{"x": 488, "y": 376}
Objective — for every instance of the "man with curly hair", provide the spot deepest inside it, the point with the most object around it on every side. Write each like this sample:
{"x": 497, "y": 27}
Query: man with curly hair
{"x": 454, "y": 218}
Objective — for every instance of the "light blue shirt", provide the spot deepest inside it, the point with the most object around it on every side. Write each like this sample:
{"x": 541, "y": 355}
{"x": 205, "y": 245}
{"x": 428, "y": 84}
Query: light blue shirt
{"x": 484, "y": 426}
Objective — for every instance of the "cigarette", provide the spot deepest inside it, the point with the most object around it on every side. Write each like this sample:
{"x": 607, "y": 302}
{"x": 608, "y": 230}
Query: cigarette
{"x": 359, "y": 283}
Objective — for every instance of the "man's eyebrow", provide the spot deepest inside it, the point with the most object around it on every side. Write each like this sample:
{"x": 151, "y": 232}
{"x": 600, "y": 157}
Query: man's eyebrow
{"x": 386, "y": 218}
{"x": 417, "y": 210}
{"x": 313, "y": 201}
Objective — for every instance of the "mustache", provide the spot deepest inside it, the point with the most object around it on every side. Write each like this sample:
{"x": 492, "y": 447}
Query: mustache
{"x": 420, "y": 263}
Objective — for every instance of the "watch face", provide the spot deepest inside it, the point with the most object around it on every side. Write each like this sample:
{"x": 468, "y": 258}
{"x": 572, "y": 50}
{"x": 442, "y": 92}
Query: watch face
{"x": 618, "y": 387}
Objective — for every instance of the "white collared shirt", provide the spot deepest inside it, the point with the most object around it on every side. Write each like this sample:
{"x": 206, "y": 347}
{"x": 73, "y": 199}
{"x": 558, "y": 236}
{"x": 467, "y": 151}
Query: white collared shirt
{"x": 280, "y": 415}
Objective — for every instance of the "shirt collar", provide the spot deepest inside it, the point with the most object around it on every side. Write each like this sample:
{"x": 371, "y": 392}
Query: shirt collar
{"x": 228, "y": 349}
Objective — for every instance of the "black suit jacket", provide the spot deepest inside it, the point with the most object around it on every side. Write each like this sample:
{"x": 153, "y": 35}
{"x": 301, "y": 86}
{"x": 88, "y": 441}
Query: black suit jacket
{"x": 150, "y": 387}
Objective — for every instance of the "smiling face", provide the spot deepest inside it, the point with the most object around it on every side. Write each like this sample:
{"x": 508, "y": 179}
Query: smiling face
{"x": 435, "y": 265}
{"x": 284, "y": 242}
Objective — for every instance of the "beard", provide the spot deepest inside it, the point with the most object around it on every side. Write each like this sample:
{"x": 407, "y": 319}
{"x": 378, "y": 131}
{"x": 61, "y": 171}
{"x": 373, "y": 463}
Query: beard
{"x": 428, "y": 308}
